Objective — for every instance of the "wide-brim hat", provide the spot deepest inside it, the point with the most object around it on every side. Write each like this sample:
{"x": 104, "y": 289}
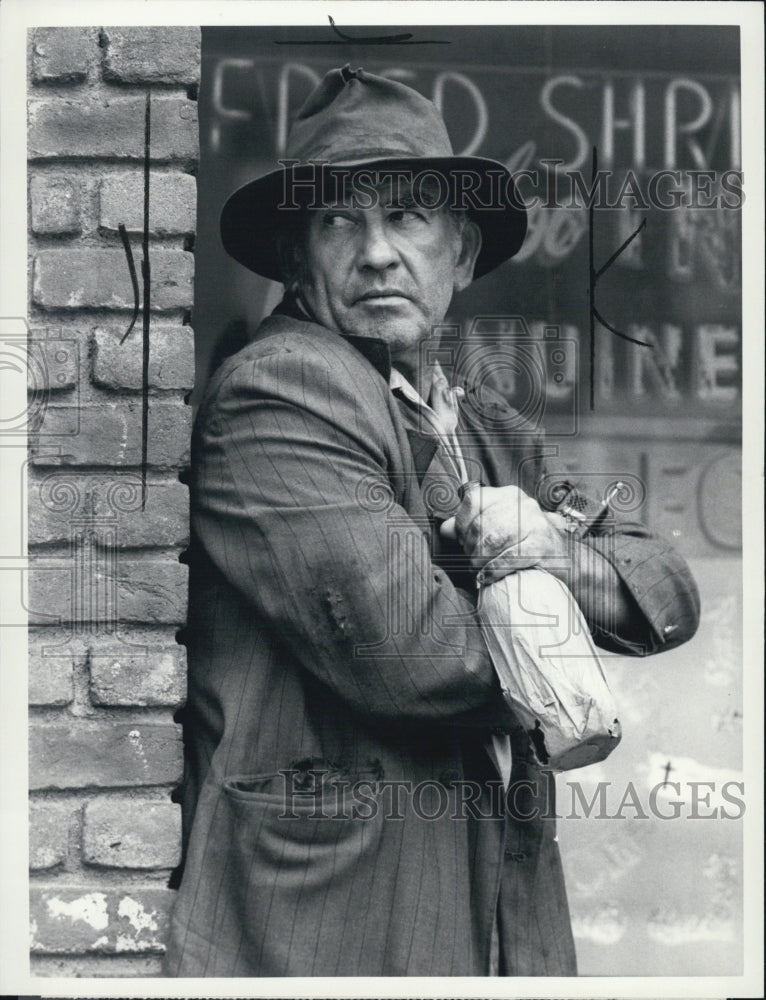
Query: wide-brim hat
{"x": 356, "y": 120}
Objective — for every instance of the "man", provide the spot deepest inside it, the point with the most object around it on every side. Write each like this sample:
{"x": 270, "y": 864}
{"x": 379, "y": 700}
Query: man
{"x": 346, "y": 734}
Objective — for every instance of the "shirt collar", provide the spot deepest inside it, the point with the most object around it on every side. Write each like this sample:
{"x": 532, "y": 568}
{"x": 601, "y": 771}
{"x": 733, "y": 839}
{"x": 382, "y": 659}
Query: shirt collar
{"x": 399, "y": 382}
{"x": 442, "y": 406}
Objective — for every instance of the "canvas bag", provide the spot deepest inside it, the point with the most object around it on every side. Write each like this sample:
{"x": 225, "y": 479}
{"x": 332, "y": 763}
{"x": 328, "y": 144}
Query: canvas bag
{"x": 549, "y": 669}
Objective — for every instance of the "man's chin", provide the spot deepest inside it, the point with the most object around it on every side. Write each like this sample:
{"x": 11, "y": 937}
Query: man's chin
{"x": 403, "y": 334}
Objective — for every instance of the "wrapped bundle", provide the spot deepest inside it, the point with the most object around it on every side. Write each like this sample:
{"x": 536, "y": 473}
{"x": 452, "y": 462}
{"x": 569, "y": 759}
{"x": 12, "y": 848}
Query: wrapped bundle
{"x": 549, "y": 668}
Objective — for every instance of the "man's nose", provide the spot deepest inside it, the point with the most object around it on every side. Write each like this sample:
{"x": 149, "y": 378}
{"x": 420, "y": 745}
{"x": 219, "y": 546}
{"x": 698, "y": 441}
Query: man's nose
{"x": 376, "y": 250}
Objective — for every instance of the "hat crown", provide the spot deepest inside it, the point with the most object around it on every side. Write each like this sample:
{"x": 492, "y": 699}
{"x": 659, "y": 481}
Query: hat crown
{"x": 356, "y": 119}
{"x": 353, "y": 116}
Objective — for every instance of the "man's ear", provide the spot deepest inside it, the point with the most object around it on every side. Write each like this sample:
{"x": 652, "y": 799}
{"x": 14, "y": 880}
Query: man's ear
{"x": 469, "y": 251}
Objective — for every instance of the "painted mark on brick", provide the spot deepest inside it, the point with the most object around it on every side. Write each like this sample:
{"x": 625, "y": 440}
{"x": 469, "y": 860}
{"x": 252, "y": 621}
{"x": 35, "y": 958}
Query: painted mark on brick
{"x": 91, "y": 909}
{"x": 139, "y": 918}
{"x": 134, "y": 736}
{"x": 146, "y": 276}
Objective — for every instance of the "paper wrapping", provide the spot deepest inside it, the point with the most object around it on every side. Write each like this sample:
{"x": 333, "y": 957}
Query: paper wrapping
{"x": 549, "y": 668}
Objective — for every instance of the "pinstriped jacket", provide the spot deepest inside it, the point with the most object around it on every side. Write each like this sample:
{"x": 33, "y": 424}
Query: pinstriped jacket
{"x": 342, "y": 816}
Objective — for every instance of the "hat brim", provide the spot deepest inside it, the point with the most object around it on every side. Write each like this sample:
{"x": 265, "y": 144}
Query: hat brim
{"x": 252, "y": 215}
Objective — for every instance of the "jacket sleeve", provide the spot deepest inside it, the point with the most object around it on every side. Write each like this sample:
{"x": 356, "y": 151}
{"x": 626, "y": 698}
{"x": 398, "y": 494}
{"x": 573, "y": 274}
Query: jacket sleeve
{"x": 293, "y": 503}
{"x": 659, "y": 585}
{"x": 654, "y": 579}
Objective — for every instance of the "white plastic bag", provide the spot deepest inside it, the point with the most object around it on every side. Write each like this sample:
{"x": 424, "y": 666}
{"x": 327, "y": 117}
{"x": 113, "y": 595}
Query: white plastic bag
{"x": 549, "y": 668}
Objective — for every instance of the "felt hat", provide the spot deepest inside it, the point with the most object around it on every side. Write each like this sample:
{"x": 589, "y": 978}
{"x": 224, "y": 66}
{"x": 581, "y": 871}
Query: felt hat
{"x": 356, "y": 120}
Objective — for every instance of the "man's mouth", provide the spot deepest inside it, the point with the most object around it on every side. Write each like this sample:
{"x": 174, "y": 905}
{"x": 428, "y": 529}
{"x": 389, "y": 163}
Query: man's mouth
{"x": 383, "y": 295}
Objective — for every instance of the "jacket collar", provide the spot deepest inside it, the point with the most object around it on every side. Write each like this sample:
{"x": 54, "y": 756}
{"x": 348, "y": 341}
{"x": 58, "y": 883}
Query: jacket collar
{"x": 376, "y": 351}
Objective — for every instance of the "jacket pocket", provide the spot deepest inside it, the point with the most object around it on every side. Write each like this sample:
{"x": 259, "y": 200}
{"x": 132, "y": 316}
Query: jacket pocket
{"x": 299, "y": 874}
{"x": 334, "y": 811}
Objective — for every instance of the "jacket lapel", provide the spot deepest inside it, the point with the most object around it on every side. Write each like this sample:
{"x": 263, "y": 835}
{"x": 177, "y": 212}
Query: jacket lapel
{"x": 423, "y": 447}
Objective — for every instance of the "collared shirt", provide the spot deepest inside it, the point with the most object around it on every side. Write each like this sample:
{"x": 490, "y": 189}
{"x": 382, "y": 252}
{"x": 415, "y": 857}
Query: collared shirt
{"x": 441, "y": 414}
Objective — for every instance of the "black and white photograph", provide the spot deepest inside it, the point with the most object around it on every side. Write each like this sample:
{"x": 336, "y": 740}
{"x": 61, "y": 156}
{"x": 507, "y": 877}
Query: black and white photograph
{"x": 381, "y": 460}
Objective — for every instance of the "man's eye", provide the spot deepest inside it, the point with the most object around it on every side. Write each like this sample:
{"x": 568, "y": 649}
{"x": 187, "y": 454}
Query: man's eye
{"x": 407, "y": 216}
{"x": 336, "y": 220}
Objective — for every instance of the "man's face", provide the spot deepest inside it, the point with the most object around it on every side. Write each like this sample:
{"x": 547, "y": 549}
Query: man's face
{"x": 388, "y": 271}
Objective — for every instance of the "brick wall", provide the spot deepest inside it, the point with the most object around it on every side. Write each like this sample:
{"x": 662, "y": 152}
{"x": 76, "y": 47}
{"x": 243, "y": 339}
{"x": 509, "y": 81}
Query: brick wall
{"x": 106, "y": 591}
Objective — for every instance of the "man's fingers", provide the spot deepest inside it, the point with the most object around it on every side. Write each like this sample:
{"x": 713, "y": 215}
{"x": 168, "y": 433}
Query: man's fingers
{"x": 447, "y": 528}
{"x": 490, "y": 520}
{"x": 509, "y": 561}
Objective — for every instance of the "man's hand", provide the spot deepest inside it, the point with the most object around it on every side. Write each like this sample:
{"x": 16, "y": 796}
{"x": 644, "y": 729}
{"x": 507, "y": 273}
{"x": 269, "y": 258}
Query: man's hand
{"x": 503, "y": 529}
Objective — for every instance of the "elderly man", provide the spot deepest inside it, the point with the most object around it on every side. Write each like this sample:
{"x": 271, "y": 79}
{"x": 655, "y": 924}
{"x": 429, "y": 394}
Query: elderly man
{"x": 346, "y": 734}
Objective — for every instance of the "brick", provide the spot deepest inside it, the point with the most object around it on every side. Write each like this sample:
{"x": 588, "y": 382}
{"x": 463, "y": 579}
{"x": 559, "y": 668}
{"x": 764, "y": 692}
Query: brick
{"x": 164, "y": 521}
{"x": 132, "y": 833}
{"x": 54, "y": 655}
{"x": 85, "y": 754}
{"x": 62, "y": 497}
{"x": 119, "y": 366}
{"x": 54, "y": 363}
{"x": 100, "y": 279}
{"x": 152, "y": 55}
{"x": 55, "y": 203}
{"x": 62, "y": 422}
{"x": 110, "y": 435}
{"x": 125, "y": 677}
{"x": 76, "y": 920}
{"x": 54, "y": 502}
{"x": 59, "y": 643}
{"x": 172, "y": 203}
{"x": 63, "y": 55}
{"x": 60, "y": 127}
{"x": 48, "y": 834}
{"x": 93, "y": 586}
{"x": 50, "y": 679}
{"x": 57, "y": 502}
{"x": 152, "y": 591}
